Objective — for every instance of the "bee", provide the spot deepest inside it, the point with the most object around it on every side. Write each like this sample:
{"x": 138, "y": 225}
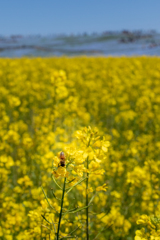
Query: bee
{"x": 62, "y": 159}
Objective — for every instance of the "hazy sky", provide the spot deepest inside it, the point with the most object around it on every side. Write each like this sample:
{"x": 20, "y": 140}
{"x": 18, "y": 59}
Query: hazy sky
{"x": 77, "y": 16}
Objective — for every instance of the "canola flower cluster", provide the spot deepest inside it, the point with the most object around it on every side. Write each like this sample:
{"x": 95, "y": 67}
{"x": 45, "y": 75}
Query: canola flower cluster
{"x": 150, "y": 229}
{"x": 45, "y": 106}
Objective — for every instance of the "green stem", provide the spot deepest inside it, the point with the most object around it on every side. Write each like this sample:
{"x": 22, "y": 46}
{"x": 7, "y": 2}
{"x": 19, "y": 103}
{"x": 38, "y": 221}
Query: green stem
{"x": 70, "y": 234}
{"x": 47, "y": 199}
{"x": 81, "y": 180}
{"x": 60, "y": 214}
{"x": 55, "y": 181}
{"x": 87, "y": 214}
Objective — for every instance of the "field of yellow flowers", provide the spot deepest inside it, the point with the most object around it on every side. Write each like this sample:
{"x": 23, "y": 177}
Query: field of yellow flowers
{"x": 104, "y": 114}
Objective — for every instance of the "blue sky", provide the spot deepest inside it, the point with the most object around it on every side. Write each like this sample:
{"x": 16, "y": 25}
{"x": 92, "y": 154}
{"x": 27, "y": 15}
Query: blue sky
{"x": 77, "y": 16}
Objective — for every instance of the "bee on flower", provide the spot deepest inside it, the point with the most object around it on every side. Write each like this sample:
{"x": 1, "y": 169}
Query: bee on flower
{"x": 62, "y": 159}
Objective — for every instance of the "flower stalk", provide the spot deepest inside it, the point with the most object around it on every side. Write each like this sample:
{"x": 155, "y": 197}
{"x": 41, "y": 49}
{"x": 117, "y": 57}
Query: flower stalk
{"x": 60, "y": 214}
{"x": 87, "y": 214}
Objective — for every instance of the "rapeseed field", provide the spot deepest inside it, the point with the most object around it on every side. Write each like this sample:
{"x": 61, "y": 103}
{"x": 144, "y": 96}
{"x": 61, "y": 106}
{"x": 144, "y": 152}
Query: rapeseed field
{"x": 80, "y": 148}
